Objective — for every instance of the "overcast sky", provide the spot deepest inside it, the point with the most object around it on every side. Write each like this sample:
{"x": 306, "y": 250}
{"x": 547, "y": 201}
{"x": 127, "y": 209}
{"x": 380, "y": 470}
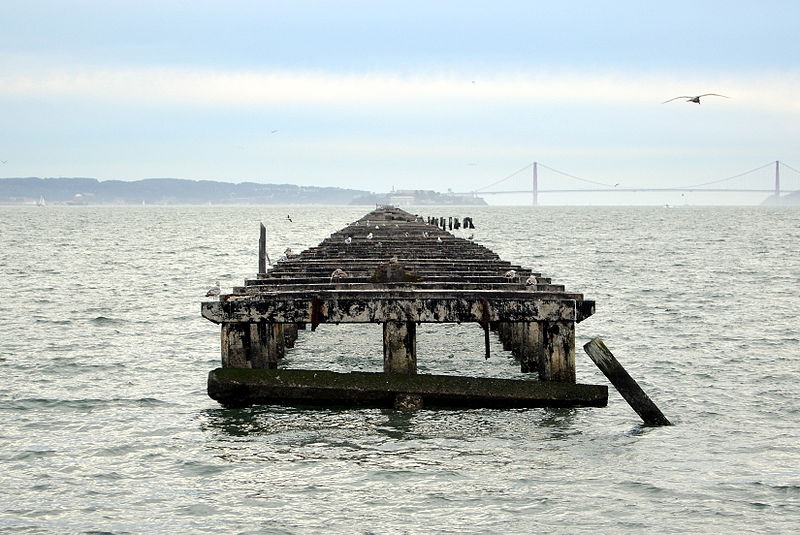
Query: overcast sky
{"x": 371, "y": 94}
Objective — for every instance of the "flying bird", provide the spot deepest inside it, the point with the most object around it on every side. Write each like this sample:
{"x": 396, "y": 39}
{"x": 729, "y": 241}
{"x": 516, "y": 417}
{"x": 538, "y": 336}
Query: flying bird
{"x": 289, "y": 218}
{"x": 3, "y": 161}
{"x": 695, "y": 99}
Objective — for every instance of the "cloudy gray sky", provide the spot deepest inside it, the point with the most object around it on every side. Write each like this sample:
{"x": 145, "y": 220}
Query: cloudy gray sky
{"x": 371, "y": 94}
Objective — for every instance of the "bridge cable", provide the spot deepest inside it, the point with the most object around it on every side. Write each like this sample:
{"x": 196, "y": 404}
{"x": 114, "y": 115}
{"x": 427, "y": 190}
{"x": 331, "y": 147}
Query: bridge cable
{"x": 506, "y": 178}
{"x": 790, "y": 167}
{"x": 576, "y": 177}
{"x": 730, "y": 177}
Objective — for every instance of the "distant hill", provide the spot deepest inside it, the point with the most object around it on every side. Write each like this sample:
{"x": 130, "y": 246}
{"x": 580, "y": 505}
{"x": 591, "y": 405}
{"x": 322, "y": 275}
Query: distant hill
{"x": 166, "y": 191}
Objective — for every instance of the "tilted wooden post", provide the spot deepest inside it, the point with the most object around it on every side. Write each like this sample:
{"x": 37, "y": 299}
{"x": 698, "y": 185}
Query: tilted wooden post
{"x": 624, "y": 383}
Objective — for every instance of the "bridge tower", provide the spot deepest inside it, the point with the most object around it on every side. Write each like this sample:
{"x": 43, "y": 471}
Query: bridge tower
{"x": 535, "y": 184}
{"x": 777, "y": 182}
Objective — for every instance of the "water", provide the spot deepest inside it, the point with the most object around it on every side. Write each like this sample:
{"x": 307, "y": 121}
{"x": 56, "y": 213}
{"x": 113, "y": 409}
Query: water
{"x": 107, "y": 428}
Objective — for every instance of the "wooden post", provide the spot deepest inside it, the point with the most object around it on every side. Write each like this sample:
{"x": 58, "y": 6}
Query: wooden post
{"x": 262, "y": 252}
{"x": 558, "y": 355}
{"x": 624, "y": 383}
{"x": 400, "y": 347}
{"x": 531, "y": 350}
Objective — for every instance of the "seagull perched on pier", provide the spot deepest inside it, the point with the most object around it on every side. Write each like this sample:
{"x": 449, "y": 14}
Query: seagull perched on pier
{"x": 213, "y": 291}
{"x": 530, "y": 281}
{"x": 439, "y": 239}
{"x": 348, "y": 240}
{"x": 288, "y": 252}
{"x": 510, "y": 274}
{"x": 369, "y": 236}
{"x": 695, "y": 99}
{"x": 338, "y": 273}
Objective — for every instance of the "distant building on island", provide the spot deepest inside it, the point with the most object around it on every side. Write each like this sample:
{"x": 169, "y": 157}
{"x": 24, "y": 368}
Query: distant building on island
{"x": 417, "y": 197}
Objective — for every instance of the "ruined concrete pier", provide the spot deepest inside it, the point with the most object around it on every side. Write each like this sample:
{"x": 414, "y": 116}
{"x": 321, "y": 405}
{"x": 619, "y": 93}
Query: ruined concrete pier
{"x": 393, "y": 268}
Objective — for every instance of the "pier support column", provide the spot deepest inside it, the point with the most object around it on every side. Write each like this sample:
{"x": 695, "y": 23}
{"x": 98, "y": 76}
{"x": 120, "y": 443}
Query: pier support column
{"x": 289, "y": 334}
{"x": 558, "y": 355}
{"x": 251, "y": 345}
{"x": 517, "y": 339}
{"x": 264, "y": 345}
{"x": 400, "y": 347}
{"x": 504, "y": 333}
{"x": 235, "y": 341}
{"x": 531, "y": 351}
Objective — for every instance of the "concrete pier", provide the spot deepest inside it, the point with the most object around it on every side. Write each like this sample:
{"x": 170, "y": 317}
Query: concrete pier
{"x": 394, "y": 268}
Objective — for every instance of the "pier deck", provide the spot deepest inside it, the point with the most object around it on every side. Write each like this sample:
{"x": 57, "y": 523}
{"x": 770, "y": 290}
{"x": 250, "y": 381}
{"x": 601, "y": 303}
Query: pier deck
{"x": 393, "y": 268}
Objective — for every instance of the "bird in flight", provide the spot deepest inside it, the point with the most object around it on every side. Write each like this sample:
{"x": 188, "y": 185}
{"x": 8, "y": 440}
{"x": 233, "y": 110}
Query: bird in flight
{"x": 289, "y": 217}
{"x": 3, "y": 161}
{"x": 695, "y": 99}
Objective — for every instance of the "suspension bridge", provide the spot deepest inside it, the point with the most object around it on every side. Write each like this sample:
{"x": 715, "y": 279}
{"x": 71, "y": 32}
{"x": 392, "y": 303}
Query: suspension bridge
{"x": 752, "y": 181}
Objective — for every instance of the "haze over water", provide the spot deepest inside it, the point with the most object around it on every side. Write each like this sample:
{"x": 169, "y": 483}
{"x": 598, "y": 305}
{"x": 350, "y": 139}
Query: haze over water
{"x": 107, "y": 427}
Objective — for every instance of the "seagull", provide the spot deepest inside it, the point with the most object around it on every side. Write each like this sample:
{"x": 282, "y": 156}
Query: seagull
{"x": 274, "y": 132}
{"x": 471, "y": 237}
{"x": 3, "y": 161}
{"x": 338, "y": 273}
{"x": 289, "y": 218}
{"x": 288, "y": 252}
{"x": 393, "y": 260}
{"x": 348, "y": 240}
{"x": 439, "y": 239}
{"x": 530, "y": 281}
{"x": 696, "y": 99}
{"x": 510, "y": 274}
{"x": 213, "y": 291}
{"x": 369, "y": 236}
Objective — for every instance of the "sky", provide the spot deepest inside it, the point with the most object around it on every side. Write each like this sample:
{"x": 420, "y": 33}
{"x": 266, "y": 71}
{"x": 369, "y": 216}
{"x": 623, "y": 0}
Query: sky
{"x": 378, "y": 95}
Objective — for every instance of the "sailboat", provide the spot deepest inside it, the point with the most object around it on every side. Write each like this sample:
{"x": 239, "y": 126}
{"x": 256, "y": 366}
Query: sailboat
{"x": 41, "y": 202}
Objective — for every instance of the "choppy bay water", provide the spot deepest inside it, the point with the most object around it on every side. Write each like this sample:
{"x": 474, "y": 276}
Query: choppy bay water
{"x": 106, "y": 426}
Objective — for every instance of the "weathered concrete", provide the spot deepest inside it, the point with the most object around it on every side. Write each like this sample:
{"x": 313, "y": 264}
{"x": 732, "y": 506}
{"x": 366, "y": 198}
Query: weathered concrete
{"x": 400, "y": 347}
{"x": 238, "y": 387}
{"x": 392, "y": 268}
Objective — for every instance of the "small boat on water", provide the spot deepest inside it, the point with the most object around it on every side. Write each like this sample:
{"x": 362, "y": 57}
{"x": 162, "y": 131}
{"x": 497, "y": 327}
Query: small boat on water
{"x": 41, "y": 202}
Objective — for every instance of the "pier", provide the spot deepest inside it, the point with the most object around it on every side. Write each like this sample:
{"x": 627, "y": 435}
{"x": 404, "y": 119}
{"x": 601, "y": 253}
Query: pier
{"x": 398, "y": 270}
